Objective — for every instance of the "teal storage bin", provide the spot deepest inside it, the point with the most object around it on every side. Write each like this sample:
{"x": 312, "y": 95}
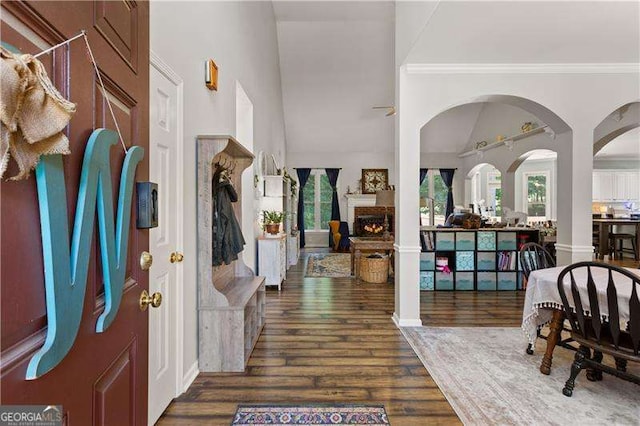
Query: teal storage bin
{"x": 464, "y": 261}
{"x": 427, "y": 261}
{"x": 464, "y": 280}
{"x": 445, "y": 240}
{"x": 444, "y": 281}
{"x": 507, "y": 280}
{"x": 426, "y": 280}
{"x": 506, "y": 240}
{"x": 486, "y": 240}
{"x": 486, "y": 261}
{"x": 486, "y": 281}
{"x": 465, "y": 240}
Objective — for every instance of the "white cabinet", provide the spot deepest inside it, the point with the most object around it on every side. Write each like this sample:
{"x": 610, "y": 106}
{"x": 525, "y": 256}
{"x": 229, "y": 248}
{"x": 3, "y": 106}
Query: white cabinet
{"x": 272, "y": 259}
{"x": 293, "y": 249}
{"x": 616, "y": 185}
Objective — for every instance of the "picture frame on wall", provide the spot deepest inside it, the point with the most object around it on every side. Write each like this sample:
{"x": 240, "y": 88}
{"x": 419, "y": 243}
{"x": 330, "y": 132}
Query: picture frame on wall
{"x": 374, "y": 180}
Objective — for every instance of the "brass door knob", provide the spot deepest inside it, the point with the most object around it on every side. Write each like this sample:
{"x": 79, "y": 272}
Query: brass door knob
{"x": 155, "y": 300}
{"x": 176, "y": 257}
{"x": 146, "y": 260}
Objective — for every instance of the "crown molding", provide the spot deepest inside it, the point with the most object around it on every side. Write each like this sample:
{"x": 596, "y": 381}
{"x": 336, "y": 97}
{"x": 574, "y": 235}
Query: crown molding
{"x": 556, "y": 68}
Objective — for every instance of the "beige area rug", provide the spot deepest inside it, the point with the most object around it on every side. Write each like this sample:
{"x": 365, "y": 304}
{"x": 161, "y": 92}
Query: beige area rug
{"x": 488, "y": 379}
{"x": 331, "y": 265}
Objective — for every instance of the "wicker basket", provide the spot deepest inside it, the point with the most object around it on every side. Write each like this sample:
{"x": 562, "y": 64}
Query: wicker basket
{"x": 374, "y": 270}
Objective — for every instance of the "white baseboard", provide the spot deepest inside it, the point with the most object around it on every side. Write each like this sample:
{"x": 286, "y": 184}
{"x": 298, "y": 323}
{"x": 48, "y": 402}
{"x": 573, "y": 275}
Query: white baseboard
{"x": 417, "y": 322}
{"x": 568, "y": 248}
{"x": 189, "y": 377}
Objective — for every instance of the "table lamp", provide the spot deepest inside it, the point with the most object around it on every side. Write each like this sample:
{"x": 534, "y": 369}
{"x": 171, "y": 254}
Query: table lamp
{"x": 385, "y": 198}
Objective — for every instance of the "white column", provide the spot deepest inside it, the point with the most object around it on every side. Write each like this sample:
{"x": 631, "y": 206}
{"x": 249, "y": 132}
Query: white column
{"x": 575, "y": 168}
{"x": 407, "y": 225}
{"x": 508, "y": 185}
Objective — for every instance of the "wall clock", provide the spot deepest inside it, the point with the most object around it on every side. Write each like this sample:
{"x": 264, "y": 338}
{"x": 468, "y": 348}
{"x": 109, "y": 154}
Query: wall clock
{"x": 374, "y": 180}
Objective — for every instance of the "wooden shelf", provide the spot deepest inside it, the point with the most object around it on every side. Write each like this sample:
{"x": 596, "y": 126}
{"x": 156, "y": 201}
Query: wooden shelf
{"x": 512, "y": 138}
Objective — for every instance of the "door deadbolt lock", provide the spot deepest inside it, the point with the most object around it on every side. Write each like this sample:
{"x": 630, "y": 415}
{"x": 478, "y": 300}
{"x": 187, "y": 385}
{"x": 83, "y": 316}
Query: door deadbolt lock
{"x": 176, "y": 257}
{"x": 146, "y": 260}
{"x": 155, "y": 300}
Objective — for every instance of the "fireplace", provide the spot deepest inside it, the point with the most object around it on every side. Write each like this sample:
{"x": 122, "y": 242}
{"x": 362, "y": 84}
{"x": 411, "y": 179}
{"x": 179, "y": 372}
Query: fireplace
{"x": 369, "y": 226}
{"x": 369, "y": 221}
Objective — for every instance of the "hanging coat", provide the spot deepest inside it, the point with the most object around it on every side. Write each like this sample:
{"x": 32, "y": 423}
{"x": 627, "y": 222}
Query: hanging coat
{"x": 227, "y": 235}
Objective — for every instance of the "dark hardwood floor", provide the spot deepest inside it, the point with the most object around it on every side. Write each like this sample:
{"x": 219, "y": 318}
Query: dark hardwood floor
{"x": 332, "y": 340}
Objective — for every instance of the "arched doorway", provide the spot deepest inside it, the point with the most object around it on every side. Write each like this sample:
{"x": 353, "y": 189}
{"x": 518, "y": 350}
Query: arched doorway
{"x": 616, "y": 182}
{"x": 483, "y": 191}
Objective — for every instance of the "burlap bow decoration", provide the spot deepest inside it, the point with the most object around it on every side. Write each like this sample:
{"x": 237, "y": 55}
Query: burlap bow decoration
{"x": 32, "y": 114}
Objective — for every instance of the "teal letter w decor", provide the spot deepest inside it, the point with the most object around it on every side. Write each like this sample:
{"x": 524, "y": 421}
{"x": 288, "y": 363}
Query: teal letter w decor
{"x": 66, "y": 265}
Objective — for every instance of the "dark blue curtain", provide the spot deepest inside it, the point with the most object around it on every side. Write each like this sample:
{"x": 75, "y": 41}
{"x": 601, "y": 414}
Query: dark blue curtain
{"x": 423, "y": 174}
{"x": 303, "y": 177}
{"x": 332, "y": 174}
{"x": 447, "y": 178}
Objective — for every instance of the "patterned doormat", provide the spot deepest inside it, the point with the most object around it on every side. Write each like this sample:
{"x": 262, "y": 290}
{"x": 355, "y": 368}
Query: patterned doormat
{"x": 317, "y": 414}
{"x": 330, "y": 265}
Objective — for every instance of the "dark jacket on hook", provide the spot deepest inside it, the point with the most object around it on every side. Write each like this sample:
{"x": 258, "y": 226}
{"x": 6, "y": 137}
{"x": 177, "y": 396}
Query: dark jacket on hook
{"x": 227, "y": 235}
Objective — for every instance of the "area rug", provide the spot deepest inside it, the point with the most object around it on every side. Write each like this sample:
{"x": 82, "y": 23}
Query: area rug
{"x": 332, "y": 265}
{"x": 317, "y": 414}
{"x": 488, "y": 379}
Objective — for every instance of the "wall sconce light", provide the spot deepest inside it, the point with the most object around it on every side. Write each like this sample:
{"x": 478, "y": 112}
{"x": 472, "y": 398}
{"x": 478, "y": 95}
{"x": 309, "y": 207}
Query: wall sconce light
{"x": 509, "y": 144}
{"x": 211, "y": 75}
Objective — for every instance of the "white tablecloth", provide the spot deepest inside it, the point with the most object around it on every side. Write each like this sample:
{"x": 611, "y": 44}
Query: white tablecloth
{"x": 542, "y": 295}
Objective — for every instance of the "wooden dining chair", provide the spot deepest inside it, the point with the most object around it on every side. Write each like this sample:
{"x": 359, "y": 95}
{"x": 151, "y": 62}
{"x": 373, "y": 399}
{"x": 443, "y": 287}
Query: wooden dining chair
{"x": 533, "y": 257}
{"x": 592, "y": 331}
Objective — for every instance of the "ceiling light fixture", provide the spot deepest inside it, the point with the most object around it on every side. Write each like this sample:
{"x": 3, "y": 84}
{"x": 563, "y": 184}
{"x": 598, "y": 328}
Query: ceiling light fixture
{"x": 391, "y": 110}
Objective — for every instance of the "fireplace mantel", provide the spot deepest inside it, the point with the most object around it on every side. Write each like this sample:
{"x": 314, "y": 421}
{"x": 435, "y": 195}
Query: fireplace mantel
{"x": 357, "y": 200}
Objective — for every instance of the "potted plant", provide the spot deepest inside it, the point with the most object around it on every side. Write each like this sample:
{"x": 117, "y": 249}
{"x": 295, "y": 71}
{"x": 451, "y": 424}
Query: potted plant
{"x": 272, "y": 221}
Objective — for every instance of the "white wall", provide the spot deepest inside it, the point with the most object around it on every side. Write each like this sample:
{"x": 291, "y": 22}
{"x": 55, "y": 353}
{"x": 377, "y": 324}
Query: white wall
{"x": 333, "y": 73}
{"x": 241, "y": 38}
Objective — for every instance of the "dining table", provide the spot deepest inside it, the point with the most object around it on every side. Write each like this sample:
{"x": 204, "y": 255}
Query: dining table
{"x": 543, "y": 305}
{"x": 604, "y": 228}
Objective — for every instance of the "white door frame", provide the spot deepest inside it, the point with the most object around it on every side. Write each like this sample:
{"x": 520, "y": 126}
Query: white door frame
{"x": 182, "y": 382}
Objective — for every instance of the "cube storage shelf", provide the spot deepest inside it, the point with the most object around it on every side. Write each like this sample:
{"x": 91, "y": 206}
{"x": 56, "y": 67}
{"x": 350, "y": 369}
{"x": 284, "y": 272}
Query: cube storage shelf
{"x": 478, "y": 259}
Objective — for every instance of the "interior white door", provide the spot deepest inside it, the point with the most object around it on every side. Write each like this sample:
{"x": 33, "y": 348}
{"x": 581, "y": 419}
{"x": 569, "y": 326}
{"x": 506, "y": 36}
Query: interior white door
{"x": 162, "y": 243}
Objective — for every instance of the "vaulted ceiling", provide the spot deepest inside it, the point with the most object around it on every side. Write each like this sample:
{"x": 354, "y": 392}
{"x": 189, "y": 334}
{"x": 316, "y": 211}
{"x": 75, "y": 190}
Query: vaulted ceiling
{"x": 530, "y": 32}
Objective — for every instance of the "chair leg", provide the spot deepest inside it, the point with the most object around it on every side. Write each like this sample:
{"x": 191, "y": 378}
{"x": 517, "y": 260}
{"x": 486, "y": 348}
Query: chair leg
{"x": 576, "y": 367}
{"x": 621, "y": 364}
{"x": 593, "y": 374}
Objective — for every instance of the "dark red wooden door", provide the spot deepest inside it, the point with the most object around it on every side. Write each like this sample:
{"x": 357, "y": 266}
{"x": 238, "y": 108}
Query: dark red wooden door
{"x": 103, "y": 379}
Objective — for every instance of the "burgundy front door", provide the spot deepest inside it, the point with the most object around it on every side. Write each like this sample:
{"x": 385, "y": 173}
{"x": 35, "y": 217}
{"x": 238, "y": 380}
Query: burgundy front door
{"x": 103, "y": 379}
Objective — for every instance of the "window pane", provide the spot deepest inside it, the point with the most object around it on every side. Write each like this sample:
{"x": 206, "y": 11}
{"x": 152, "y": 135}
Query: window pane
{"x": 440, "y": 195}
{"x": 424, "y": 193}
{"x": 494, "y": 201}
{"x": 325, "y": 215}
{"x": 537, "y": 195}
{"x": 424, "y": 187}
{"x": 309, "y": 216}
{"x": 309, "y": 203}
{"x": 325, "y": 189}
{"x": 309, "y": 190}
